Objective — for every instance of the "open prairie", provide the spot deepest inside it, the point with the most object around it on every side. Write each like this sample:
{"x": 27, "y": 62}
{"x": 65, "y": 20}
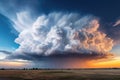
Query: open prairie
{"x": 82, "y": 74}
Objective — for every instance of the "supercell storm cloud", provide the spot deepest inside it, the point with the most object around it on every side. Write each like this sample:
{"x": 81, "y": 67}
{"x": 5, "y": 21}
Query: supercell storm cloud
{"x": 61, "y": 33}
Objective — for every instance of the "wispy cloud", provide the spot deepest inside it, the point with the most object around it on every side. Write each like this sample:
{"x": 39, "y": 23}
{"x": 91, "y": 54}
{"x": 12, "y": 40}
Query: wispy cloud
{"x": 23, "y": 21}
{"x": 117, "y": 23}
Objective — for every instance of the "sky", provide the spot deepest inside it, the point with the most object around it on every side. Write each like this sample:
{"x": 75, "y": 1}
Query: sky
{"x": 59, "y": 33}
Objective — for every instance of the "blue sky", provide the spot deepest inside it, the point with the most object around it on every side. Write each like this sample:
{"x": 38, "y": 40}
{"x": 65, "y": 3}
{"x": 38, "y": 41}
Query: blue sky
{"x": 7, "y": 37}
{"x": 30, "y": 29}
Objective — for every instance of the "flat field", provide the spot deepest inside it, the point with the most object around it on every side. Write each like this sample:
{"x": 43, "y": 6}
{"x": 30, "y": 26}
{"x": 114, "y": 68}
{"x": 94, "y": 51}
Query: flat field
{"x": 82, "y": 74}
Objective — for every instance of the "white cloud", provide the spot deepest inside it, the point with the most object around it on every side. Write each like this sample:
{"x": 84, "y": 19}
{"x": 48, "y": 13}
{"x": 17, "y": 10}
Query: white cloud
{"x": 66, "y": 32}
{"x": 2, "y": 55}
{"x": 22, "y": 21}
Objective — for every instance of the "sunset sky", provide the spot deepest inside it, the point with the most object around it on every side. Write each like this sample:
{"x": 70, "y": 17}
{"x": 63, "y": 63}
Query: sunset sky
{"x": 59, "y": 33}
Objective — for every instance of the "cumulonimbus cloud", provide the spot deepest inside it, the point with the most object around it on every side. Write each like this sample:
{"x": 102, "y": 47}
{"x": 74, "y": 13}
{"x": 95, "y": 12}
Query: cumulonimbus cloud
{"x": 61, "y": 33}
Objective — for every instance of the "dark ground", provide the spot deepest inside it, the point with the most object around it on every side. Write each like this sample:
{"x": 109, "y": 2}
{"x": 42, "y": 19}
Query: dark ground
{"x": 82, "y": 74}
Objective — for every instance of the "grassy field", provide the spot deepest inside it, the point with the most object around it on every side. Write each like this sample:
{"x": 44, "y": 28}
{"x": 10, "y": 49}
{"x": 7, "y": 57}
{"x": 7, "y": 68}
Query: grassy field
{"x": 96, "y": 74}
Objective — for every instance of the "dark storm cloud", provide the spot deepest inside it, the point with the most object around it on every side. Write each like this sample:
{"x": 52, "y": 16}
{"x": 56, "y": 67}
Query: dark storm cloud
{"x": 59, "y": 56}
{"x": 5, "y": 52}
{"x": 106, "y": 11}
{"x": 69, "y": 35}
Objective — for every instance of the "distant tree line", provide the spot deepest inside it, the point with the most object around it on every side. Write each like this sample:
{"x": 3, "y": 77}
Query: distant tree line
{"x": 55, "y": 69}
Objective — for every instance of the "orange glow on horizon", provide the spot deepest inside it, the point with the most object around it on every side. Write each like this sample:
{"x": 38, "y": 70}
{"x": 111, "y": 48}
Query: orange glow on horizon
{"x": 71, "y": 63}
{"x": 113, "y": 63}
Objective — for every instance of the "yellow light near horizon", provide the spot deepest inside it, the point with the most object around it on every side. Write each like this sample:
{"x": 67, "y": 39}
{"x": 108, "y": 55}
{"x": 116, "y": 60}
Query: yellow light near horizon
{"x": 113, "y": 63}
{"x": 11, "y": 64}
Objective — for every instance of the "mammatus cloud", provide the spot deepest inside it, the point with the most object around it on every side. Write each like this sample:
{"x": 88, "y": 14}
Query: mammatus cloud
{"x": 62, "y": 33}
